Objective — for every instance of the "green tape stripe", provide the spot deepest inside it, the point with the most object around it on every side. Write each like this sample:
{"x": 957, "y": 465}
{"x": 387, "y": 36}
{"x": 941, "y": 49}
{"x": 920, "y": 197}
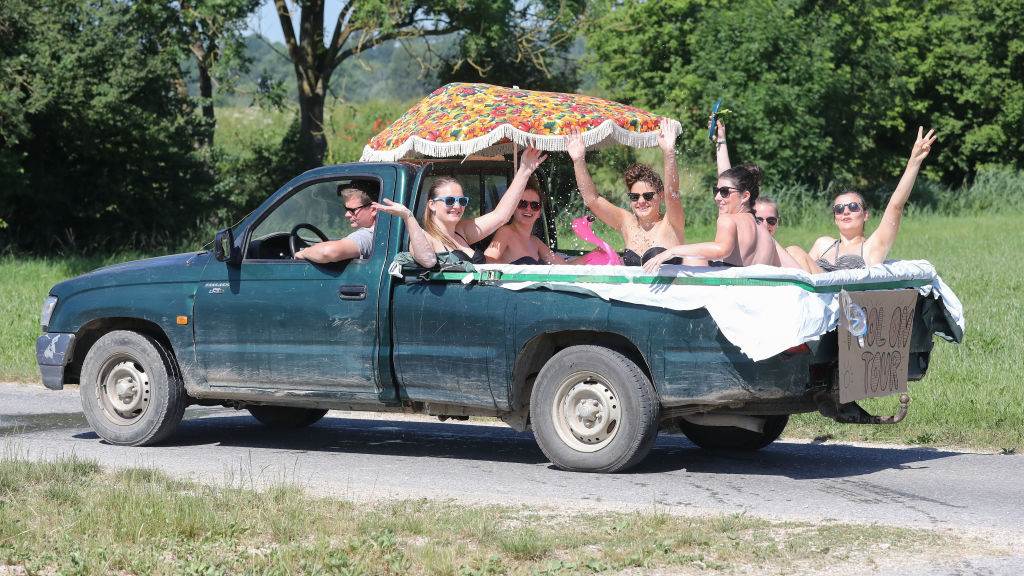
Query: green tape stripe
{"x": 677, "y": 281}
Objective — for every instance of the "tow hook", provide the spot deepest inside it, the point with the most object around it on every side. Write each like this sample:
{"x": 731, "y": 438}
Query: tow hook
{"x": 852, "y": 413}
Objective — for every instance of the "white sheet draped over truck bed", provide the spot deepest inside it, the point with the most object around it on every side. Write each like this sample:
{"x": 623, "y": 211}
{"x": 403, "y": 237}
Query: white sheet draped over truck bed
{"x": 762, "y": 320}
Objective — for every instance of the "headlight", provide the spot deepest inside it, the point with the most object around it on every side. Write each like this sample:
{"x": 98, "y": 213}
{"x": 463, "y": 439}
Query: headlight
{"x": 44, "y": 317}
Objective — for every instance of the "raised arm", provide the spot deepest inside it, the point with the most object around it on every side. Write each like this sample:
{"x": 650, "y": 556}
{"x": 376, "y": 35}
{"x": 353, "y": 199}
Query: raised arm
{"x": 496, "y": 249}
{"x": 485, "y": 224}
{"x": 722, "y": 149}
{"x": 673, "y": 203}
{"x": 722, "y": 247}
{"x": 609, "y": 213}
{"x": 419, "y": 245}
{"x": 883, "y": 238}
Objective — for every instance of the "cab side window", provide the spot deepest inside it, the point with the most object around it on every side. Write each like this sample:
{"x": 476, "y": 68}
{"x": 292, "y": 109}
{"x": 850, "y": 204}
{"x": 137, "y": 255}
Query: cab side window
{"x": 318, "y": 205}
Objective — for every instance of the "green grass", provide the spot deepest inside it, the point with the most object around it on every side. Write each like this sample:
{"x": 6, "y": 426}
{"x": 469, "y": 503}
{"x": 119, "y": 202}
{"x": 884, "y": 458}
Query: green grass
{"x": 71, "y": 517}
{"x": 24, "y": 283}
{"x": 348, "y": 127}
{"x": 971, "y": 396}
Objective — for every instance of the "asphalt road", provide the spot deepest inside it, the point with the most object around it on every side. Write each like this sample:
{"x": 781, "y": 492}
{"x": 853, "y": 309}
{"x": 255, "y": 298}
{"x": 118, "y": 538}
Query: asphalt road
{"x": 375, "y": 456}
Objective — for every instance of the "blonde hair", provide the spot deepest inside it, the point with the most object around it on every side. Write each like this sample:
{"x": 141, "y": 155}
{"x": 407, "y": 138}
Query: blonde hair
{"x": 428, "y": 224}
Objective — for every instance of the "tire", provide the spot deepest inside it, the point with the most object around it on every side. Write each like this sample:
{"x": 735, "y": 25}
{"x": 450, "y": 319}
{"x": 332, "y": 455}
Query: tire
{"x": 131, "y": 389}
{"x": 593, "y": 410}
{"x": 286, "y": 417}
{"x": 732, "y": 438}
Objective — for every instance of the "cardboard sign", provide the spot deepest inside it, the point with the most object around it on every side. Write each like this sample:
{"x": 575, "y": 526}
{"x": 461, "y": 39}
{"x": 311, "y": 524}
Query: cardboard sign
{"x": 875, "y": 364}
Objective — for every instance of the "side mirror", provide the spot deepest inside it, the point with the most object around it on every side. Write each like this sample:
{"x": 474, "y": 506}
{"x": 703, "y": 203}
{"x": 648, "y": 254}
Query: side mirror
{"x": 224, "y": 247}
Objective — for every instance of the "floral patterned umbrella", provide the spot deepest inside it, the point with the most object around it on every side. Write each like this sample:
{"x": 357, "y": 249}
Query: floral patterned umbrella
{"x": 460, "y": 119}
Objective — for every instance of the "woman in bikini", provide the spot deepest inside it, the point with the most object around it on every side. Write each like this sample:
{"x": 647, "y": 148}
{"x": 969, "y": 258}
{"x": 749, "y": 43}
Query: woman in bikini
{"x": 444, "y": 234}
{"x": 739, "y": 241}
{"x": 644, "y": 231}
{"x": 851, "y": 249}
{"x": 514, "y": 243}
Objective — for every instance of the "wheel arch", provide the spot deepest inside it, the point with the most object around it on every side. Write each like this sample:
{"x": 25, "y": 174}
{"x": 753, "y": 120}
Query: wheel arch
{"x": 91, "y": 331}
{"x": 538, "y": 350}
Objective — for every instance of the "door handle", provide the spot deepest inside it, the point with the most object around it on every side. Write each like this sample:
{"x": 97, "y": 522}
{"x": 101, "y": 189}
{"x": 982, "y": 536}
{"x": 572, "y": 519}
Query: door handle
{"x": 352, "y": 292}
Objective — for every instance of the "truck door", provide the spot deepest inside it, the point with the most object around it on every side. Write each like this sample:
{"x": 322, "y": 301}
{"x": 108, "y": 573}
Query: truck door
{"x": 276, "y": 323}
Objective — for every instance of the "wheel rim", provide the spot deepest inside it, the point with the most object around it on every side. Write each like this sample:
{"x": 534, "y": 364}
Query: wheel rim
{"x": 123, "y": 391}
{"x": 586, "y": 411}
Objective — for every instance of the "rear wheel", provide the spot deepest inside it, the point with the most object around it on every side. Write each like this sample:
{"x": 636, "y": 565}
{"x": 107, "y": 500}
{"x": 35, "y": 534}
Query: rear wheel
{"x": 286, "y": 417}
{"x": 132, "y": 393}
{"x": 593, "y": 410}
{"x": 733, "y": 438}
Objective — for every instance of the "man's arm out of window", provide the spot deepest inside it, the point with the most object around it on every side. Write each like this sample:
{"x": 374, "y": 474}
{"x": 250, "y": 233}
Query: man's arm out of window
{"x": 330, "y": 251}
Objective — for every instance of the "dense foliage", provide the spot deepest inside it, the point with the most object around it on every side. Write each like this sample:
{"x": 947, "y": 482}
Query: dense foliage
{"x": 98, "y": 139}
{"x": 103, "y": 146}
{"x": 827, "y": 91}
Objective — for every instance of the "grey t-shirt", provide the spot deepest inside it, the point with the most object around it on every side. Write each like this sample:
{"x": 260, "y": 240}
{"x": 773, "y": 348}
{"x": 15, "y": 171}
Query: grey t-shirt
{"x": 363, "y": 238}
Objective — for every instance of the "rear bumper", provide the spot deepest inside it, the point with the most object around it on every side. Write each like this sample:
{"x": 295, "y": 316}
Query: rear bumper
{"x": 53, "y": 352}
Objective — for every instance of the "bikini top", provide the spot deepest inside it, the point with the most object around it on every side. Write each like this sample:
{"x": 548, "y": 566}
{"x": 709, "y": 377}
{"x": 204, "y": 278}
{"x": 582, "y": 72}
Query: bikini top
{"x": 526, "y": 261}
{"x": 630, "y": 258}
{"x": 844, "y": 262}
{"x": 478, "y": 256}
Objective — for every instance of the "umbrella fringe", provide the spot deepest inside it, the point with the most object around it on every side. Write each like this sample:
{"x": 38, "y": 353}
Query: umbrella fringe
{"x": 605, "y": 134}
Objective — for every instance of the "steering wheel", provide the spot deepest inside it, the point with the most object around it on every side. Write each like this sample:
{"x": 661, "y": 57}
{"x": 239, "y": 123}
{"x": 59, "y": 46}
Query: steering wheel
{"x": 294, "y": 239}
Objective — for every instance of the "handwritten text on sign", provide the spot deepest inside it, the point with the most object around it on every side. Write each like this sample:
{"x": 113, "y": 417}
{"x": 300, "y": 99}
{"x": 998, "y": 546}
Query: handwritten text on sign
{"x": 876, "y": 364}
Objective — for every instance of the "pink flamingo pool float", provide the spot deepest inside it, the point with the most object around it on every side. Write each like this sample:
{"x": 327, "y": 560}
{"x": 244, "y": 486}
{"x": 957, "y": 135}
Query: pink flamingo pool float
{"x": 604, "y": 255}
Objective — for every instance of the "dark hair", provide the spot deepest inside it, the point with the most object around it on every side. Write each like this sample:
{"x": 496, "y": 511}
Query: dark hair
{"x": 642, "y": 173}
{"x": 863, "y": 202}
{"x": 530, "y": 185}
{"x": 747, "y": 177}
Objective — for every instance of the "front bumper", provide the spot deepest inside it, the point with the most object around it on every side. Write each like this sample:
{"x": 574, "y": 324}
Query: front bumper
{"x": 53, "y": 352}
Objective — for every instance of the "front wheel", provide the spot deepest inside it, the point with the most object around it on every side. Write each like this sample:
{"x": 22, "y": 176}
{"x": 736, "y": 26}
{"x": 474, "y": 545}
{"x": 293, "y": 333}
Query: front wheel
{"x": 286, "y": 417}
{"x": 593, "y": 410}
{"x": 132, "y": 393}
{"x": 732, "y": 438}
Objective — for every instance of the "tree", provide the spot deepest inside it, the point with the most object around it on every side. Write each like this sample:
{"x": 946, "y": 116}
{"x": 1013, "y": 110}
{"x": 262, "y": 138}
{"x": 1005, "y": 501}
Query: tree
{"x": 540, "y": 62}
{"x": 104, "y": 154}
{"x": 213, "y": 29}
{"x": 826, "y": 91}
{"x": 365, "y": 24}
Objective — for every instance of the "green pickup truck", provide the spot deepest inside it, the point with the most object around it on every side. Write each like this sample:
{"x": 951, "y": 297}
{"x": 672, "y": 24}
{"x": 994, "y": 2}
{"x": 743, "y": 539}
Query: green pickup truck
{"x": 246, "y": 325}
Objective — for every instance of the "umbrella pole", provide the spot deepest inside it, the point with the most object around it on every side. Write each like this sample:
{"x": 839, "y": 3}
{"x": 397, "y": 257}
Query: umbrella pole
{"x": 515, "y": 157}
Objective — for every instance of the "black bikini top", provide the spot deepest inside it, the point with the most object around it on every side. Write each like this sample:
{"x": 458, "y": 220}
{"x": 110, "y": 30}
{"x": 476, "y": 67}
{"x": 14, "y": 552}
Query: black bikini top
{"x": 478, "y": 256}
{"x": 630, "y": 258}
{"x": 526, "y": 261}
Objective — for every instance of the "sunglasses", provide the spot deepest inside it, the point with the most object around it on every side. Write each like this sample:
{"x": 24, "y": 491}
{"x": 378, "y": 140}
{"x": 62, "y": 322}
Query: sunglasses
{"x": 450, "y": 201}
{"x": 723, "y": 191}
{"x": 648, "y": 196}
{"x": 771, "y": 220}
{"x": 853, "y": 206}
{"x": 534, "y": 205}
{"x": 354, "y": 210}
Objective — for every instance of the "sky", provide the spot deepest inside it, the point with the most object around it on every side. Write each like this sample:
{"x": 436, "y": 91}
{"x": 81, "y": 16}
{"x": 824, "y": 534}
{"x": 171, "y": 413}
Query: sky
{"x": 264, "y": 21}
